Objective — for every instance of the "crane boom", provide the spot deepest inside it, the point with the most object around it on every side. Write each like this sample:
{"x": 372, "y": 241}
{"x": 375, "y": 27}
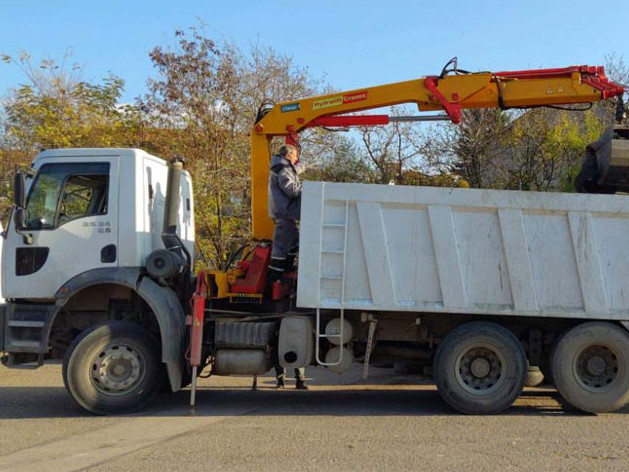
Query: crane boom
{"x": 449, "y": 93}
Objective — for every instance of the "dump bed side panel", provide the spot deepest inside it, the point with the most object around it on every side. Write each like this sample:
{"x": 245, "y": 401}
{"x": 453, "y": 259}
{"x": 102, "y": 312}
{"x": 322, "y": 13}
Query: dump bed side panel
{"x": 378, "y": 247}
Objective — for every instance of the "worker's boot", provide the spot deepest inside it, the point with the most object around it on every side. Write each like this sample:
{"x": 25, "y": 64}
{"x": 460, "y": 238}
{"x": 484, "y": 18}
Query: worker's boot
{"x": 280, "y": 383}
{"x": 276, "y": 269}
{"x": 301, "y": 385}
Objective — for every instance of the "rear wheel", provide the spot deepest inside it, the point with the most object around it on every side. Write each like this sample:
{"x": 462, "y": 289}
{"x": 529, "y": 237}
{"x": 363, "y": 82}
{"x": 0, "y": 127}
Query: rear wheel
{"x": 480, "y": 368}
{"x": 590, "y": 367}
{"x": 113, "y": 368}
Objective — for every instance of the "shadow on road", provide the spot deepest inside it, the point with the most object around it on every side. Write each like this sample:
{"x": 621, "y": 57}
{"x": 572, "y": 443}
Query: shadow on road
{"x": 363, "y": 400}
{"x": 37, "y": 402}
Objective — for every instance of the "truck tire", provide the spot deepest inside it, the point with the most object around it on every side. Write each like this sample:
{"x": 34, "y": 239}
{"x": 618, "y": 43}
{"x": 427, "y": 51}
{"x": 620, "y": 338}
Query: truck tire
{"x": 113, "y": 368}
{"x": 480, "y": 368}
{"x": 590, "y": 367}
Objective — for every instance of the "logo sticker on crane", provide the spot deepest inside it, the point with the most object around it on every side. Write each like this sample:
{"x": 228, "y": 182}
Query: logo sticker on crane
{"x": 290, "y": 107}
{"x": 339, "y": 100}
{"x": 355, "y": 97}
{"x": 327, "y": 102}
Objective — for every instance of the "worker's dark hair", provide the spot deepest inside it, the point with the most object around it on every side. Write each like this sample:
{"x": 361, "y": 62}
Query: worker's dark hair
{"x": 285, "y": 149}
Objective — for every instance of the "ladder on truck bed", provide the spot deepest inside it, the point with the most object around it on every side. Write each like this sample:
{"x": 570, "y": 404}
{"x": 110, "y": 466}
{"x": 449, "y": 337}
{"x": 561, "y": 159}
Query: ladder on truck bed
{"x": 337, "y": 279}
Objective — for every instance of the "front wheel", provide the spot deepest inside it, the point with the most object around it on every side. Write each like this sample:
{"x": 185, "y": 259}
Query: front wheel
{"x": 590, "y": 366}
{"x": 113, "y": 368}
{"x": 480, "y": 368}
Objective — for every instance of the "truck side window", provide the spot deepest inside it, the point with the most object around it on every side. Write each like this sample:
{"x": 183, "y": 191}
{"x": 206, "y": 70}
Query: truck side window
{"x": 83, "y": 195}
{"x": 65, "y": 192}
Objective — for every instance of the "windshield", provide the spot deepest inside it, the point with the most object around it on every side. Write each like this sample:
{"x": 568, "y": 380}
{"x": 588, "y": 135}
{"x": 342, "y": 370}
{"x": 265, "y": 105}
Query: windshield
{"x": 65, "y": 192}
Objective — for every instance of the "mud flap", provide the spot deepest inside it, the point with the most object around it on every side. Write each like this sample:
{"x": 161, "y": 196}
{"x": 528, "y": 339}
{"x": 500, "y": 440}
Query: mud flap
{"x": 171, "y": 319}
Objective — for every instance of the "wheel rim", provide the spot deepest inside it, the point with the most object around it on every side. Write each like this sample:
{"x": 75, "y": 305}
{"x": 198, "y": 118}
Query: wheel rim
{"x": 480, "y": 369}
{"x": 596, "y": 368}
{"x": 117, "y": 369}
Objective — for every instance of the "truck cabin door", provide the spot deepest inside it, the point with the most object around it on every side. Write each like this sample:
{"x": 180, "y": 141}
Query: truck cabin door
{"x": 72, "y": 215}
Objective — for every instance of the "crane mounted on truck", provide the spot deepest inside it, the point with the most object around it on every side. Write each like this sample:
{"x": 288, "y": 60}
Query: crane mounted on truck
{"x": 98, "y": 267}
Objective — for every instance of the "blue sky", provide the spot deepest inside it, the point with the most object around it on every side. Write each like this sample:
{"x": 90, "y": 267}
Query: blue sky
{"x": 352, "y": 44}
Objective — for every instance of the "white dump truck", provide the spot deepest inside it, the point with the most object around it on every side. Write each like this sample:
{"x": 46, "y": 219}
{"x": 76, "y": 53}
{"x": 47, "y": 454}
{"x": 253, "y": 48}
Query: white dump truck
{"x": 473, "y": 286}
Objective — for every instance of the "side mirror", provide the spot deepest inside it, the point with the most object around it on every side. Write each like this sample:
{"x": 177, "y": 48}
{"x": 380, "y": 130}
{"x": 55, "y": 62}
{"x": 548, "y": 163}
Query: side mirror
{"x": 19, "y": 189}
{"x": 19, "y": 218}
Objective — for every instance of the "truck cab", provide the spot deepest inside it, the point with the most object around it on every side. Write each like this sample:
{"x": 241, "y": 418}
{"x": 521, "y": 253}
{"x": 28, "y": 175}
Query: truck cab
{"x": 75, "y": 251}
{"x": 105, "y": 206}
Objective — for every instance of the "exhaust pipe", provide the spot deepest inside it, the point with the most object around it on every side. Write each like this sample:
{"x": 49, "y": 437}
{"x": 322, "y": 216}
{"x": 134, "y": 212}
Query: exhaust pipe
{"x": 171, "y": 205}
{"x": 174, "y": 259}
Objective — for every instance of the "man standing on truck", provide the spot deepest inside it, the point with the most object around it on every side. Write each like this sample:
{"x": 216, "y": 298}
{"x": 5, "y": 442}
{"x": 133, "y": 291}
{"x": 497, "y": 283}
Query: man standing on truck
{"x": 285, "y": 210}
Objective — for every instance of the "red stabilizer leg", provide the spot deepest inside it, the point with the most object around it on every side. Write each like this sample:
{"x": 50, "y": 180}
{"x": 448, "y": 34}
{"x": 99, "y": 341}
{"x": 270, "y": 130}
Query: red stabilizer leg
{"x": 196, "y": 332}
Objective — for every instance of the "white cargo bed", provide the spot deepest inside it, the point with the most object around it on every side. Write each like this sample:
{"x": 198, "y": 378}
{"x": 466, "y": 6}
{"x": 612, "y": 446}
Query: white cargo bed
{"x": 447, "y": 250}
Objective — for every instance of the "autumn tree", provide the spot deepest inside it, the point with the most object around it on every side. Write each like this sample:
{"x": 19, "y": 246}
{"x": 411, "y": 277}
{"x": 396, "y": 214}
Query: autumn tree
{"x": 618, "y": 71}
{"x": 203, "y": 102}
{"x": 470, "y": 150}
{"x": 55, "y": 108}
{"x": 545, "y": 148}
{"x": 392, "y": 149}
{"x": 267, "y": 76}
{"x": 539, "y": 149}
{"x": 334, "y": 157}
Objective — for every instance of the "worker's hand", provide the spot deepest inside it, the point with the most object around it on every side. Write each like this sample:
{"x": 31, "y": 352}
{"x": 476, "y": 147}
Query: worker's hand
{"x": 300, "y": 167}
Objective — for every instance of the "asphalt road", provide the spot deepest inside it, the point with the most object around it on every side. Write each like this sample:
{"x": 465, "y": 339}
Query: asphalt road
{"x": 389, "y": 422}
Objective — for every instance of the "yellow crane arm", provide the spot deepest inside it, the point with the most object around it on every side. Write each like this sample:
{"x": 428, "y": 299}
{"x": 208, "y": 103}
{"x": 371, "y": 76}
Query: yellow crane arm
{"x": 450, "y": 93}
